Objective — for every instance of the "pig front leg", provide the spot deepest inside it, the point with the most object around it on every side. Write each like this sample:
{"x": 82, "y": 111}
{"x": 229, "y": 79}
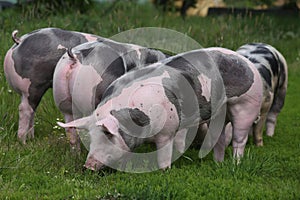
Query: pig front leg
{"x": 180, "y": 140}
{"x": 219, "y": 148}
{"x": 164, "y": 147}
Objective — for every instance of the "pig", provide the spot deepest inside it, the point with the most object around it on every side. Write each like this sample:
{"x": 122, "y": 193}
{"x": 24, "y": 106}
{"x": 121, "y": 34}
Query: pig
{"x": 273, "y": 69}
{"x": 29, "y": 66}
{"x": 102, "y": 62}
{"x": 159, "y": 103}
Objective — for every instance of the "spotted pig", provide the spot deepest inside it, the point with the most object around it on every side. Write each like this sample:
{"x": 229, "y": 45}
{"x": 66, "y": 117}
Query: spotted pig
{"x": 272, "y": 67}
{"x": 159, "y": 102}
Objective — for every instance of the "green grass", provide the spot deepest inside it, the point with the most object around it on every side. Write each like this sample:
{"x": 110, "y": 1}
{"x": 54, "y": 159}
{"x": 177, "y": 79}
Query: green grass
{"x": 46, "y": 169}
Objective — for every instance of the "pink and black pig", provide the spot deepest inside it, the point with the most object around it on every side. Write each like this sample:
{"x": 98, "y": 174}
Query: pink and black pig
{"x": 160, "y": 102}
{"x": 29, "y": 66}
{"x": 272, "y": 67}
{"x": 84, "y": 73}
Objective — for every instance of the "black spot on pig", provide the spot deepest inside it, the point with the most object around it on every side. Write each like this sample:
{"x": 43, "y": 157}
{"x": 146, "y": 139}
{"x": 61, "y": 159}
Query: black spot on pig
{"x": 150, "y": 58}
{"x": 126, "y": 114}
{"x": 234, "y": 70}
{"x": 111, "y": 73}
{"x": 265, "y": 73}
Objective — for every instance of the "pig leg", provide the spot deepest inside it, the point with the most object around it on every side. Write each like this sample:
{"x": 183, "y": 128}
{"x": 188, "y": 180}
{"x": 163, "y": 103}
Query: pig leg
{"x": 278, "y": 102}
{"x": 26, "y": 120}
{"x": 29, "y": 102}
{"x": 179, "y": 140}
{"x": 219, "y": 148}
{"x": 72, "y": 135}
{"x": 271, "y": 123}
{"x": 275, "y": 110}
{"x": 228, "y": 134}
{"x": 164, "y": 147}
{"x": 242, "y": 121}
{"x": 258, "y": 130}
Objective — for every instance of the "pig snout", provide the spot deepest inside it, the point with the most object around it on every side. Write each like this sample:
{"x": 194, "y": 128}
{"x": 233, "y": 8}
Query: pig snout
{"x": 93, "y": 164}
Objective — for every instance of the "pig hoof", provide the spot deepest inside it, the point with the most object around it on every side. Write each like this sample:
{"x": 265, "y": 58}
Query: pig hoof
{"x": 270, "y": 134}
{"x": 259, "y": 144}
{"x": 22, "y": 139}
{"x": 165, "y": 169}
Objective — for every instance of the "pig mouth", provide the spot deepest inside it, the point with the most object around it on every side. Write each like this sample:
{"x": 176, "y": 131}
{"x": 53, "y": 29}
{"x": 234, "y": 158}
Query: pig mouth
{"x": 94, "y": 165}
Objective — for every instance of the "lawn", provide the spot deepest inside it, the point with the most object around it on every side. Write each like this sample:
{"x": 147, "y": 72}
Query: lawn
{"x": 45, "y": 168}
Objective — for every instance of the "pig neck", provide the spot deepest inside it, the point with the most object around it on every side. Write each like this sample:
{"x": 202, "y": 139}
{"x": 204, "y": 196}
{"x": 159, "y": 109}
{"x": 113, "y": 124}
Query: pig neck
{"x": 131, "y": 141}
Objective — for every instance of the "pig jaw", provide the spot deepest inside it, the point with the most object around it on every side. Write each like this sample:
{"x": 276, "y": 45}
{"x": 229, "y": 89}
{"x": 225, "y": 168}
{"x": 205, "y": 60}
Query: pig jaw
{"x": 93, "y": 164}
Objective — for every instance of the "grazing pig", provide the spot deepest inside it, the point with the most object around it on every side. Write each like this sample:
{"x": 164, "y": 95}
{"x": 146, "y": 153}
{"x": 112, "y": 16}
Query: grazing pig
{"x": 29, "y": 66}
{"x": 82, "y": 75}
{"x": 273, "y": 70}
{"x": 160, "y": 102}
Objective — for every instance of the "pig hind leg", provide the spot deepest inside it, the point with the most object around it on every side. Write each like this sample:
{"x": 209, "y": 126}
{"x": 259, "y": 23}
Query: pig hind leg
{"x": 242, "y": 121}
{"x": 219, "y": 148}
{"x": 259, "y": 124}
{"x": 279, "y": 95}
{"x": 275, "y": 110}
{"x": 27, "y": 109}
{"x": 26, "y": 120}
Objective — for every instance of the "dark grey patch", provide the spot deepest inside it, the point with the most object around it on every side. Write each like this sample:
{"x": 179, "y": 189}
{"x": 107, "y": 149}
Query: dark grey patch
{"x": 237, "y": 75}
{"x": 150, "y": 58}
{"x": 68, "y": 37}
{"x": 269, "y": 56}
{"x": 86, "y": 52}
{"x": 265, "y": 73}
{"x": 109, "y": 91}
{"x": 127, "y": 80}
{"x": 174, "y": 100}
{"x": 253, "y": 60}
{"x": 126, "y": 114}
{"x": 282, "y": 74}
{"x": 131, "y": 66}
{"x": 131, "y": 141}
{"x": 31, "y": 51}
{"x": 120, "y": 48}
{"x": 111, "y": 73}
{"x": 184, "y": 92}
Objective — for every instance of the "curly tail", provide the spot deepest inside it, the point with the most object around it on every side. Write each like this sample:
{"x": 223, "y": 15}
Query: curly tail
{"x": 16, "y": 39}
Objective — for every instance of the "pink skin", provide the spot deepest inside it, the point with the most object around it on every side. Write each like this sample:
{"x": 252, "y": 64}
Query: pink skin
{"x": 89, "y": 37}
{"x": 21, "y": 85}
{"x": 242, "y": 112}
{"x": 206, "y": 86}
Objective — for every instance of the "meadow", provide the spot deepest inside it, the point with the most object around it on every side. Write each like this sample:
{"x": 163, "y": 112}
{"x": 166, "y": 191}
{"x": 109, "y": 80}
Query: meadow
{"x": 45, "y": 168}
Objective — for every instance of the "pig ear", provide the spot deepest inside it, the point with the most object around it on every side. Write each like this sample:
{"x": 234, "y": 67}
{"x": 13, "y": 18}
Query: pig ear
{"x": 78, "y": 123}
{"x": 109, "y": 124}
